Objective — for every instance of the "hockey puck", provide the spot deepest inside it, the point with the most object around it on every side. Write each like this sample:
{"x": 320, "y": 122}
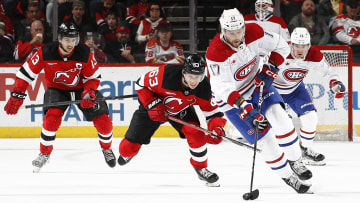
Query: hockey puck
{"x": 251, "y": 195}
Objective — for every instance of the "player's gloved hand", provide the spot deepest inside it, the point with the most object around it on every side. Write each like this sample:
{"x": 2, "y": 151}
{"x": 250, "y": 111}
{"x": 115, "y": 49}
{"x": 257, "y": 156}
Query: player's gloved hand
{"x": 156, "y": 111}
{"x": 215, "y": 139}
{"x": 337, "y": 88}
{"x": 253, "y": 118}
{"x": 14, "y": 103}
{"x": 88, "y": 97}
{"x": 266, "y": 76}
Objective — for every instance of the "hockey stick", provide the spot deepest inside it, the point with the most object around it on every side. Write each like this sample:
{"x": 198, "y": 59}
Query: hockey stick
{"x": 210, "y": 133}
{"x": 255, "y": 194}
{"x": 78, "y": 101}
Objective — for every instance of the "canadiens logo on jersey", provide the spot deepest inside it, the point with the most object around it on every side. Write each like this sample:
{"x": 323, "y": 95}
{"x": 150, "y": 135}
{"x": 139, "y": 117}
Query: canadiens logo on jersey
{"x": 295, "y": 74}
{"x": 70, "y": 78}
{"x": 245, "y": 70}
{"x": 176, "y": 105}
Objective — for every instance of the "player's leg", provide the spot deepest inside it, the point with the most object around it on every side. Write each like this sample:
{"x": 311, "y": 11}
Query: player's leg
{"x": 140, "y": 131}
{"x": 99, "y": 115}
{"x": 272, "y": 153}
{"x": 51, "y": 123}
{"x": 197, "y": 147}
{"x": 286, "y": 134}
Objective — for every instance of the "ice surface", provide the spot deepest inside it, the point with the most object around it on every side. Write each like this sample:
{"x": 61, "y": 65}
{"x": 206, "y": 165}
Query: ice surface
{"x": 161, "y": 172}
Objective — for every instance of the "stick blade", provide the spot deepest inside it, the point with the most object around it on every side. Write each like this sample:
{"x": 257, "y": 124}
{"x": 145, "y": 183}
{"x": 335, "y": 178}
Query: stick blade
{"x": 251, "y": 195}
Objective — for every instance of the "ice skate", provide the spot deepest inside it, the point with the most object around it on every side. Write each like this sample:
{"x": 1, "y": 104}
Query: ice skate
{"x": 300, "y": 169}
{"x": 39, "y": 162}
{"x": 208, "y": 176}
{"x": 109, "y": 157}
{"x": 310, "y": 157}
{"x": 298, "y": 185}
{"x": 123, "y": 160}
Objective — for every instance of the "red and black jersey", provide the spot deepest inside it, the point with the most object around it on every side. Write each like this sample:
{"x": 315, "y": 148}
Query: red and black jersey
{"x": 165, "y": 83}
{"x": 76, "y": 71}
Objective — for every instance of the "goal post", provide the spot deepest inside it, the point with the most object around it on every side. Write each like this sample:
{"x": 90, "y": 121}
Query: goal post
{"x": 337, "y": 118}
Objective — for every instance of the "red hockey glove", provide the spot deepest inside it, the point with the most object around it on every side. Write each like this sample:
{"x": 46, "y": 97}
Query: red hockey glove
{"x": 156, "y": 111}
{"x": 337, "y": 88}
{"x": 252, "y": 118}
{"x": 88, "y": 97}
{"x": 266, "y": 76}
{"x": 14, "y": 103}
{"x": 216, "y": 125}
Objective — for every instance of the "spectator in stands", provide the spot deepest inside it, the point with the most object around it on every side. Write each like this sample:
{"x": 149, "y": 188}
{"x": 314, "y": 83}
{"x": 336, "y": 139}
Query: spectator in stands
{"x": 24, "y": 48}
{"x": 33, "y": 13}
{"x": 137, "y": 12}
{"x": 123, "y": 50}
{"x": 346, "y": 27}
{"x": 79, "y": 18}
{"x": 103, "y": 8}
{"x": 265, "y": 17}
{"x": 92, "y": 40}
{"x": 147, "y": 28}
{"x": 290, "y": 8}
{"x": 163, "y": 49}
{"x": 108, "y": 30}
{"x": 9, "y": 28}
{"x": 329, "y": 9}
{"x": 6, "y": 48}
{"x": 317, "y": 27}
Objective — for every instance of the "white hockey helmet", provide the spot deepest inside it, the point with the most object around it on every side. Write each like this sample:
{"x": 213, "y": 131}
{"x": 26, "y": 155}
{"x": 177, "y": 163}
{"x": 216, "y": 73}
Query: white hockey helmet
{"x": 264, "y": 8}
{"x": 231, "y": 19}
{"x": 301, "y": 36}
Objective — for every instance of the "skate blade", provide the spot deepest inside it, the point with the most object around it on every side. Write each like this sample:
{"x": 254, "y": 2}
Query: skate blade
{"x": 313, "y": 163}
{"x": 214, "y": 184}
{"x": 309, "y": 192}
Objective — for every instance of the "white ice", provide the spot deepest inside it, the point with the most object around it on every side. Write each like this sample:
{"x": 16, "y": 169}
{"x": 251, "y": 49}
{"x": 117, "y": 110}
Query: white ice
{"x": 161, "y": 172}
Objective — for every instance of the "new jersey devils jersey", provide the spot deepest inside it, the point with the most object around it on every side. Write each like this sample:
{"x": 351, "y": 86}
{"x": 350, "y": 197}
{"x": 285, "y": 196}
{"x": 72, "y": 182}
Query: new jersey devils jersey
{"x": 165, "y": 83}
{"x": 67, "y": 73}
{"x": 156, "y": 53}
{"x": 235, "y": 69}
{"x": 345, "y": 29}
{"x": 270, "y": 23}
{"x": 295, "y": 70}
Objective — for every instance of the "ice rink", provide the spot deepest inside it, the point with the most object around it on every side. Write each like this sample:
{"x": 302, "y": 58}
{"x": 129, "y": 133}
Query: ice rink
{"x": 161, "y": 172}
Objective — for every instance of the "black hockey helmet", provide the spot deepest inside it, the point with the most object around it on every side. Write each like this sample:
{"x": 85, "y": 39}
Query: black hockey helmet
{"x": 68, "y": 29}
{"x": 194, "y": 64}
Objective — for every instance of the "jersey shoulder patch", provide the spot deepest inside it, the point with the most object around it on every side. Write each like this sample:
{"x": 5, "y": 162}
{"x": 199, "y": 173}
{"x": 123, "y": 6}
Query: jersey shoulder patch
{"x": 218, "y": 51}
{"x": 152, "y": 43}
{"x": 253, "y": 32}
{"x": 314, "y": 55}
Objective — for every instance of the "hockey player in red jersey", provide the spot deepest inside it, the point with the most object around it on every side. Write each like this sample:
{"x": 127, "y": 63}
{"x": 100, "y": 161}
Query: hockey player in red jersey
{"x": 302, "y": 59}
{"x": 174, "y": 89}
{"x": 71, "y": 72}
{"x": 235, "y": 77}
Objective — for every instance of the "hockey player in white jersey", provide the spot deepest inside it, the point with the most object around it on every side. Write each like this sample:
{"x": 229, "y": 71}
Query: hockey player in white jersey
{"x": 265, "y": 17}
{"x": 289, "y": 83}
{"x": 235, "y": 76}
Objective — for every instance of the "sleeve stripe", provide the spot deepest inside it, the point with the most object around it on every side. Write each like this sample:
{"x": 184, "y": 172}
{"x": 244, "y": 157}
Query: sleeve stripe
{"x": 29, "y": 71}
{"x": 96, "y": 75}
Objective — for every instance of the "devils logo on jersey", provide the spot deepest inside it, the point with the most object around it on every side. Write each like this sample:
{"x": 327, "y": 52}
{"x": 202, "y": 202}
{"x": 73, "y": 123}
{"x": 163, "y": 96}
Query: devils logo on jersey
{"x": 353, "y": 31}
{"x": 70, "y": 78}
{"x": 176, "y": 105}
{"x": 245, "y": 70}
{"x": 294, "y": 74}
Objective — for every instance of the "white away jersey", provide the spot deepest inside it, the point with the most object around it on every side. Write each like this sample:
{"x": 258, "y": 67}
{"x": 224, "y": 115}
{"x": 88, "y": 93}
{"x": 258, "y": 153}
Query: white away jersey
{"x": 233, "y": 70}
{"x": 345, "y": 29}
{"x": 295, "y": 70}
{"x": 271, "y": 23}
{"x": 156, "y": 53}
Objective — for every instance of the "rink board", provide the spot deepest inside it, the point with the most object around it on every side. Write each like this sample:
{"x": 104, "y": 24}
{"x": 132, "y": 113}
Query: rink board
{"x": 116, "y": 81}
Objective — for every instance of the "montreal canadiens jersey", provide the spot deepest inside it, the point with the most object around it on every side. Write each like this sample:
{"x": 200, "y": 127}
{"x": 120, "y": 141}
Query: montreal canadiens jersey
{"x": 235, "y": 69}
{"x": 165, "y": 83}
{"x": 295, "y": 70}
{"x": 68, "y": 73}
{"x": 271, "y": 23}
{"x": 345, "y": 29}
{"x": 156, "y": 53}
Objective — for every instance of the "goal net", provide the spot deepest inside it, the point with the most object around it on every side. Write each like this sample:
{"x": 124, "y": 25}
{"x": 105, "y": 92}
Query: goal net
{"x": 334, "y": 115}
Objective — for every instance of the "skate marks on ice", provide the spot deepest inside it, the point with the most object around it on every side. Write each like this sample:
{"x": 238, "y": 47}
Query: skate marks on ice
{"x": 161, "y": 172}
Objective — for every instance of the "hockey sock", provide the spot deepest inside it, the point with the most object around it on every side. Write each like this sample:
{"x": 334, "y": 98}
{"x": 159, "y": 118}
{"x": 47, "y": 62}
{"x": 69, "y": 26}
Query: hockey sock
{"x": 274, "y": 156}
{"x": 104, "y": 126}
{"x": 308, "y": 123}
{"x": 285, "y": 131}
{"x": 51, "y": 124}
{"x": 128, "y": 149}
{"x": 198, "y": 157}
